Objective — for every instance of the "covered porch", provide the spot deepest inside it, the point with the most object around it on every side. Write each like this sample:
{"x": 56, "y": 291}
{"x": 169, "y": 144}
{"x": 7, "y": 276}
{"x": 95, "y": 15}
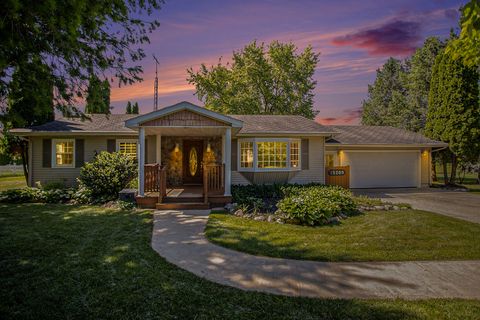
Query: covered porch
{"x": 184, "y": 158}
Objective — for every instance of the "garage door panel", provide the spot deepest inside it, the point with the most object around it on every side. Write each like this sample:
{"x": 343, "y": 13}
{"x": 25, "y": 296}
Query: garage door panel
{"x": 383, "y": 169}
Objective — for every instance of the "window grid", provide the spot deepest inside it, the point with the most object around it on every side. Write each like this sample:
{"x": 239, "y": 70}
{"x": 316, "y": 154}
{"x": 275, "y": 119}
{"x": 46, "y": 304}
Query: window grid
{"x": 271, "y": 155}
{"x": 294, "y": 154}
{"x": 246, "y": 154}
{"x": 128, "y": 148}
{"x": 64, "y": 153}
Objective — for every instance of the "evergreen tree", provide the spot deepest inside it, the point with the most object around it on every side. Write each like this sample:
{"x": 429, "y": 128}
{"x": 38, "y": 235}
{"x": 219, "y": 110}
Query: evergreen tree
{"x": 98, "y": 96}
{"x": 386, "y": 104}
{"x": 135, "y": 108}
{"x": 129, "y": 108}
{"x": 454, "y": 112}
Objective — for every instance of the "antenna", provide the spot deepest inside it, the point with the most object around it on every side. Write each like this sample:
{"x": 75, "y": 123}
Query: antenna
{"x": 155, "y": 86}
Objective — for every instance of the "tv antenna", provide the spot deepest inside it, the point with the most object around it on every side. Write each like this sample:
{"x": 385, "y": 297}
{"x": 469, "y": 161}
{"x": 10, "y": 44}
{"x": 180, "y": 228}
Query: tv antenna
{"x": 155, "y": 86}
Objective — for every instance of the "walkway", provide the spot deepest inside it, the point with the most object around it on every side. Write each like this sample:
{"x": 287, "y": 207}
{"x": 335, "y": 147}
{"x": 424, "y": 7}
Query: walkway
{"x": 178, "y": 237}
{"x": 457, "y": 204}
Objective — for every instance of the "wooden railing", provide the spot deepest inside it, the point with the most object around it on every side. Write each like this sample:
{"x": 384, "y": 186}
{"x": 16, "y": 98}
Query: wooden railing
{"x": 155, "y": 180}
{"x": 213, "y": 180}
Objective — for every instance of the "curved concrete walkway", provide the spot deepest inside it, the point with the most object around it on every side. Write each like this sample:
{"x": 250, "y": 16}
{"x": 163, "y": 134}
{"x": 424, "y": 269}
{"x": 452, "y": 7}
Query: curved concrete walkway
{"x": 178, "y": 236}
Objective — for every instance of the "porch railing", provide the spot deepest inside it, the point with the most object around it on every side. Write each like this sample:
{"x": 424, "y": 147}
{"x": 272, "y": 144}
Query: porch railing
{"x": 155, "y": 179}
{"x": 213, "y": 180}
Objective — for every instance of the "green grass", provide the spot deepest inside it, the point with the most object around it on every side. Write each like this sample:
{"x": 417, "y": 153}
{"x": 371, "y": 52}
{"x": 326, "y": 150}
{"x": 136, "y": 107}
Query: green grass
{"x": 469, "y": 181}
{"x": 373, "y": 236}
{"x": 83, "y": 262}
{"x": 12, "y": 181}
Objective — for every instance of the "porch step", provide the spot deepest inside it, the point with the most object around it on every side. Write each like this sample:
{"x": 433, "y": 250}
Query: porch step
{"x": 182, "y": 199}
{"x": 182, "y": 205}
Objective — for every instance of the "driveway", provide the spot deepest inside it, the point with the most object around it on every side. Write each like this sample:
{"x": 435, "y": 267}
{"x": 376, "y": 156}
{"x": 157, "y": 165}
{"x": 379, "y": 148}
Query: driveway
{"x": 457, "y": 204}
{"x": 179, "y": 237}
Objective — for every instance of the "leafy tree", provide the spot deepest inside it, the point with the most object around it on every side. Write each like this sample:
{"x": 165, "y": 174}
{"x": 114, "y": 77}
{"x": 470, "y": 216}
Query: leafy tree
{"x": 418, "y": 80}
{"x": 272, "y": 79}
{"x": 454, "y": 112}
{"x": 129, "y": 108}
{"x": 467, "y": 46}
{"x": 31, "y": 85}
{"x": 135, "y": 108}
{"x": 75, "y": 39}
{"x": 98, "y": 96}
{"x": 386, "y": 104}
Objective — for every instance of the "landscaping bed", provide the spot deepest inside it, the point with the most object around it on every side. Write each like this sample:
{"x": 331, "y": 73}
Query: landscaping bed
{"x": 87, "y": 262}
{"x": 403, "y": 235}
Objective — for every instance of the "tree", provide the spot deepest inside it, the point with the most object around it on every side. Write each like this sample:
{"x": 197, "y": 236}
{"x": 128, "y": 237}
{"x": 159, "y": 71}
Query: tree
{"x": 98, "y": 96}
{"x": 135, "y": 108}
{"x": 417, "y": 82}
{"x": 272, "y": 79}
{"x": 386, "y": 104}
{"x": 467, "y": 46}
{"x": 129, "y": 108}
{"x": 454, "y": 112}
{"x": 75, "y": 39}
{"x": 31, "y": 85}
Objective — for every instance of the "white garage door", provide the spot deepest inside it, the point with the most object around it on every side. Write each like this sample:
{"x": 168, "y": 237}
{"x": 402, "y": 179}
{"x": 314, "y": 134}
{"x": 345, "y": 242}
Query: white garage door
{"x": 383, "y": 169}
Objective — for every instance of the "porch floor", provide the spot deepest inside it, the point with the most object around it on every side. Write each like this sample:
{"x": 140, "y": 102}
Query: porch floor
{"x": 180, "y": 192}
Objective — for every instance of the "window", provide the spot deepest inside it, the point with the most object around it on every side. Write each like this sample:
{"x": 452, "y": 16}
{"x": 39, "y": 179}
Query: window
{"x": 329, "y": 160}
{"x": 294, "y": 154}
{"x": 127, "y": 147}
{"x": 246, "y": 154}
{"x": 63, "y": 153}
{"x": 269, "y": 154}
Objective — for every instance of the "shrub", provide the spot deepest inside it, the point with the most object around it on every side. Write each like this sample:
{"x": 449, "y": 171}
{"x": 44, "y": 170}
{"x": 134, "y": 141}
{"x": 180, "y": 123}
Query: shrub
{"x": 316, "y": 204}
{"x": 36, "y": 195}
{"x": 106, "y": 175}
{"x": 53, "y": 186}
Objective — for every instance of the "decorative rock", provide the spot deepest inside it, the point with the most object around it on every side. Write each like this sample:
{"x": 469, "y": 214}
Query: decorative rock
{"x": 333, "y": 220}
{"x": 230, "y": 207}
{"x": 343, "y": 216}
{"x": 396, "y": 208}
{"x": 239, "y": 213}
{"x": 379, "y": 207}
{"x": 279, "y": 221}
{"x": 403, "y": 208}
{"x": 270, "y": 218}
{"x": 259, "y": 218}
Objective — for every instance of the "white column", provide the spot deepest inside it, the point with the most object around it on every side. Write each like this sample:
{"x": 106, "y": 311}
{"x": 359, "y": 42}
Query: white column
{"x": 223, "y": 148}
{"x": 227, "y": 147}
{"x": 159, "y": 149}
{"x": 141, "y": 162}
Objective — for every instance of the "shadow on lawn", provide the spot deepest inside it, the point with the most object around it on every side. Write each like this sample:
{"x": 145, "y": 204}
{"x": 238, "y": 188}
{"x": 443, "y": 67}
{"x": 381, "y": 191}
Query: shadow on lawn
{"x": 61, "y": 261}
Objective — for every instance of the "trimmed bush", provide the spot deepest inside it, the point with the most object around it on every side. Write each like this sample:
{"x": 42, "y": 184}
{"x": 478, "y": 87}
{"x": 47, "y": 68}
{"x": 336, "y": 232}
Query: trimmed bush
{"x": 28, "y": 194}
{"x": 315, "y": 205}
{"x": 106, "y": 175}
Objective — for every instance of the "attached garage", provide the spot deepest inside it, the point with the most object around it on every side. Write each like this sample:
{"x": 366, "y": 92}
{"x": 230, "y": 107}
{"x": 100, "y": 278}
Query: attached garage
{"x": 383, "y": 169}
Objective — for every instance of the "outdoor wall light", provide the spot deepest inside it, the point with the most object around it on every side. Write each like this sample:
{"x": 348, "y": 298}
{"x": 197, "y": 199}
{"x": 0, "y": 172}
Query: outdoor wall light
{"x": 177, "y": 148}
{"x": 209, "y": 148}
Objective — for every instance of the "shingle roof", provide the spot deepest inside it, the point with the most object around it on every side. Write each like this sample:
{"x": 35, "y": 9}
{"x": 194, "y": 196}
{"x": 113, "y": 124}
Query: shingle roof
{"x": 359, "y": 135}
{"x": 271, "y": 124}
{"x": 95, "y": 123}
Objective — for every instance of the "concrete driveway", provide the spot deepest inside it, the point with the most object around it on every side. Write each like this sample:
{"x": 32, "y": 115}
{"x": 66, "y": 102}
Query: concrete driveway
{"x": 457, "y": 204}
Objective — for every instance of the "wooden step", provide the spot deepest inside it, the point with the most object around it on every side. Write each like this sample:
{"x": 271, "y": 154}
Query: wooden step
{"x": 182, "y": 199}
{"x": 182, "y": 205}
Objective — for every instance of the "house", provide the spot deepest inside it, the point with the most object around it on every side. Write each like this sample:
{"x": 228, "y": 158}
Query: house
{"x": 187, "y": 153}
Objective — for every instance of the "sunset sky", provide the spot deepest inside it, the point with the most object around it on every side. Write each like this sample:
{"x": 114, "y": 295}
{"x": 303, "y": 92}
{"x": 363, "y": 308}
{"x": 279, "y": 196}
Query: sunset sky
{"x": 354, "y": 39}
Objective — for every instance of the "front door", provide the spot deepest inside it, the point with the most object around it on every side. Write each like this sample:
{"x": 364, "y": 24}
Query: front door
{"x": 192, "y": 161}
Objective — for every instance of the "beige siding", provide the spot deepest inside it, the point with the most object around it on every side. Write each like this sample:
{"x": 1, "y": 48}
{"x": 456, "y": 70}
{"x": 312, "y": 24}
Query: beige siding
{"x": 151, "y": 149}
{"x": 426, "y": 167}
{"x": 316, "y": 170}
{"x": 67, "y": 176}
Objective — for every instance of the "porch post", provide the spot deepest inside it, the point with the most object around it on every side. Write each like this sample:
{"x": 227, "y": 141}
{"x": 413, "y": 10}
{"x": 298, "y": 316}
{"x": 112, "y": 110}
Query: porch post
{"x": 227, "y": 147}
{"x": 159, "y": 149}
{"x": 141, "y": 162}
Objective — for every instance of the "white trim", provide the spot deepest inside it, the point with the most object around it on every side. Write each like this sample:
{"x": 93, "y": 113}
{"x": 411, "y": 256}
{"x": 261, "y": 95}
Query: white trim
{"x": 71, "y": 133}
{"x": 141, "y": 162}
{"x": 54, "y": 154}
{"x": 184, "y": 105}
{"x": 383, "y": 145}
{"x": 228, "y": 161}
{"x": 255, "y": 167}
{"x": 158, "y": 149}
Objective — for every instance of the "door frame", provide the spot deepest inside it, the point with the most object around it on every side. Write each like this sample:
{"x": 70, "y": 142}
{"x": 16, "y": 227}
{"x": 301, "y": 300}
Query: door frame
{"x": 200, "y": 144}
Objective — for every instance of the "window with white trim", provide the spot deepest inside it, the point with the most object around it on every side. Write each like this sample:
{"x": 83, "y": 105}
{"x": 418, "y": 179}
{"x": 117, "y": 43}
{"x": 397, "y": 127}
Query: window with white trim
{"x": 63, "y": 153}
{"x": 127, "y": 147}
{"x": 269, "y": 154}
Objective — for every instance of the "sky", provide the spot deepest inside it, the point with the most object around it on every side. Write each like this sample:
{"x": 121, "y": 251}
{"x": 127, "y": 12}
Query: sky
{"x": 354, "y": 39}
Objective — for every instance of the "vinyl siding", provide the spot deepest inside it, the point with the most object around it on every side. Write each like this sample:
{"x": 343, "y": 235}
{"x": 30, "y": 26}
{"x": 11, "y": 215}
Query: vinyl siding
{"x": 426, "y": 168}
{"x": 67, "y": 176}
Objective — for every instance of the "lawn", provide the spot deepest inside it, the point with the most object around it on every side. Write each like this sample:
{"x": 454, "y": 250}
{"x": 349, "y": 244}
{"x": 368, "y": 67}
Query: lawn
{"x": 72, "y": 262}
{"x": 12, "y": 181}
{"x": 469, "y": 180}
{"x": 373, "y": 236}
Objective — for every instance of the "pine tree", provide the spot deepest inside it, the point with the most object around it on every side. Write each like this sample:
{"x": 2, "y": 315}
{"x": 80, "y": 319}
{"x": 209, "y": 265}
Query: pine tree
{"x": 98, "y": 96}
{"x": 129, "y": 108}
{"x": 135, "y": 108}
{"x": 454, "y": 112}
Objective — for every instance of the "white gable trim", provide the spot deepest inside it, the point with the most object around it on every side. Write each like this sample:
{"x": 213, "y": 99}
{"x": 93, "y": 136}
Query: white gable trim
{"x": 184, "y": 105}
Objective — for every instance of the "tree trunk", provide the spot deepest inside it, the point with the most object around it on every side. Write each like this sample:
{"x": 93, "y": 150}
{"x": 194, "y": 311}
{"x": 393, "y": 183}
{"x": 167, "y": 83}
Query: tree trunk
{"x": 453, "y": 173}
{"x": 445, "y": 171}
{"x": 434, "y": 171}
{"x": 24, "y": 154}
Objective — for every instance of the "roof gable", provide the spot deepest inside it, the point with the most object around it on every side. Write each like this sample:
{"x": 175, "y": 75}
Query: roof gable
{"x": 183, "y": 114}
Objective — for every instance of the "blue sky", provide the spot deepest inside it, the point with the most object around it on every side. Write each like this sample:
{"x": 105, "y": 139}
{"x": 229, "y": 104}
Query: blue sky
{"x": 354, "y": 39}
